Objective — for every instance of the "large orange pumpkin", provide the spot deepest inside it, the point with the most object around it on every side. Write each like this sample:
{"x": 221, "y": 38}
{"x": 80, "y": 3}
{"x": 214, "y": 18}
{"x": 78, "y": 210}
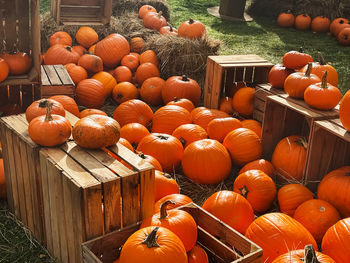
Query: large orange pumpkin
{"x": 188, "y": 133}
{"x": 206, "y": 162}
{"x": 278, "y": 75}
{"x": 296, "y": 59}
{"x": 218, "y": 128}
{"x": 303, "y": 22}
{"x": 184, "y": 103}
{"x": 289, "y": 157}
{"x": 59, "y": 54}
{"x": 334, "y": 188}
{"x": 145, "y": 71}
{"x": 203, "y": 116}
{"x": 149, "y": 56}
{"x": 19, "y": 62}
{"x": 191, "y": 29}
{"x": 257, "y": 187}
{"x": 277, "y": 233}
{"x": 133, "y": 111}
{"x": 88, "y": 112}
{"x": 336, "y": 241}
{"x": 90, "y": 93}
{"x": 165, "y": 148}
{"x": 122, "y": 73}
{"x": 285, "y": 19}
{"x": 232, "y": 208}
{"x": 344, "y": 110}
{"x": 154, "y": 20}
{"x": 145, "y": 9}
{"x": 91, "y": 63}
{"x": 290, "y": 196}
{"x": 320, "y": 24}
{"x": 244, "y": 145}
{"x": 317, "y": 216}
{"x": 39, "y": 107}
{"x": 253, "y": 125}
{"x": 60, "y": 37}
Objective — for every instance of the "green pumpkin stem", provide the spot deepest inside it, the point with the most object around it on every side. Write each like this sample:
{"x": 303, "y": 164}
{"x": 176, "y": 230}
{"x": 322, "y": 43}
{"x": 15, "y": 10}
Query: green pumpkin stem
{"x": 310, "y": 255}
{"x": 321, "y": 59}
{"x": 48, "y": 116}
{"x": 308, "y": 70}
{"x": 163, "y": 208}
{"x": 184, "y": 78}
{"x": 151, "y": 239}
{"x": 324, "y": 80}
{"x": 244, "y": 191}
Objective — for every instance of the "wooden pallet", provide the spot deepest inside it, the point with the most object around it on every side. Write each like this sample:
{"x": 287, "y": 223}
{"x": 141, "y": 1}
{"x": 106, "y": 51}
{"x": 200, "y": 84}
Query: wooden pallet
{"x": 72, "y": 194}
{"x": 329, "y": 150}
{"x": 223, "y": 71}
{"x": 55, "y": 80}
{"x": 284, "y": 118}
{"x": 223, "y": 244}
{"x": 81, "y": 12}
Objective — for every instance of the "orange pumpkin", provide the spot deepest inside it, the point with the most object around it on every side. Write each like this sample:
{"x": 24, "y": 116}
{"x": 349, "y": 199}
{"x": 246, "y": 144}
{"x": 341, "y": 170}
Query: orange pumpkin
{"x": 242, "y": 101}
{"x": 164, "y": 185}
{"x": 122, "y": 73}
{"x": 296, "y": 59}
{"x": 133, "y": 111}
{"x": 19, "y": 63}
{"x": 168, "y": 30}
{"x": 257, "y": 187}
{"x": 79, "y": 49}
{"x": 277, "y": 233}
{"x": 191, "y": 29}
{"x": 167, "y": 118}
{"x": 134, "y": 133}
{"x": 154, "y": 20}
{"x": 107, "y": 80}
{"x": 320, "y": 24}
{"x": 130, "y": 61}
{"x": 90, "y": 93}
{"x": 60, "y": 37}
{"x": 151, "y": 160}
{"x": 179, "y": 199}
{"x": 317, "y": 216}
{"x": 197, "y": 255}
{"x": 244, "y": 146}
{"x": 165, "y": 148}
{"x": 145, "y": 9}
{"x": 188, "y": 133}
{"x": 126, "y": 143}
{"x": 278, "y": 75}
{"x": 59, "y": 54}
{"x": 226, "y": 105}
{"x": 344, "y": 110}
{"x": 88, "y": 112}
{"x": 204, "y": 116}
{"x": 151, "y": 90}
{"x": 337, "y": 22}
{"x": 344, "y": 36}
{"x": 290, "y": 196}
{"x": 253, "y": 125}
{"x": 184, "y": 103}
{"x": 137, "y": 44}
{"x": 289, "y": 157}
{"x": 218, "y": 128}
{"x": 232, "y": 208}
{"x": 4, "y": 69}
{"x": 86, "y": 36}
{"x": 178, "y": 221}
{"x": 149, "y": 56}
{"x": 336, "y": 241}
{"x": 303, "y": 22}
{"x": 68, "y": 103}
{"x": 124, "y": 91}
{"x": 285, "y": 19}
{"x": 206, "y": 162}
{"x": 39, "y": 108}
{"x": 145, "y": 71}
{"x": 260, "y": 164}
{"x": 91, "y": 63}
{"x": 77, "y": 73}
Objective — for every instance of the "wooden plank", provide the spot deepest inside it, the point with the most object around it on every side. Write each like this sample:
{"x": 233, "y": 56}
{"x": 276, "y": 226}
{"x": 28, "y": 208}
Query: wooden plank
{"x": 208, "y": 85}
{"x": 80, "y": 2}
{"x": 10, "y": 25}
{"x": 27, "y": 95}
{"x": 81, "y": 11}
{"x": 239, "y": 58}
{"x": 14, "y": 94}
{"x": 52, "y": 75}
{"x": 130, "y": 202}
{"x": 22, "y": 10}
{"x": 35, "y": 38}
{"x": 107, "y": 11}
{"x": 259, "y": 104}
{"x": 44, "y": 78}
{"x": 261, "y": 74}
{"x": 63, "y": 75}
{"x": 246, "y": 64}
{"x": 216, "y": 88}
{"x": 335, "y": 127}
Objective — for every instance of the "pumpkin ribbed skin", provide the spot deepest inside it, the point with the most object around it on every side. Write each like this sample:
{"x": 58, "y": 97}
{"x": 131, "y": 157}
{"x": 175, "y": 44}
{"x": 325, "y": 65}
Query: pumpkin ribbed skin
{"x": 91, "y": 63}
{"x": 344, "y": 111}
{"x": 184, "y": 103}
{"x": 124, "y": 91}
{"x": 165, "y": 148}
{"x": 149, "y": 56}
{"x": 122, "y": 73}
{"x": 202, "y": 117}
{"x": 285, "y": 19}
{"x": 38, "y": 108}
{"x": 68, "y": 103}
{"x": 79, "y": 49}
{"x": 188, "y": 133}
{"x": 197, "y": 255}
{"x": 107, "y": 80}
{"x": 112, "y": 49}
{"x": 320, "y": 24}
{"x": 179, "y": 199}
{"x": 18, "y": 63}
{"x": 88, "y": 112}
{"x": 170, "y": 249}
{"x": 260, "y": 164}
{"x": 253, "y": 125}
{"x": 164, "y": 185}
{"x": 4, "y": 69}
{"x": 145, "y": 71}
{"x": 90, "y": 93}
{"x": 179, "y": 222}
{"x": 60, "y": 37}
{"x": 257, "y": 187}
{"x": 297, "y": 256}
{"x": 130, "y": 61}
{"x": 289, "y": 157}
{"x": 96, "y": 131}
{"x": 218, "y": 128}
{"x": 336, "y": 241}
{"x": 77, "y": 73}
{"x": 334, "y": 188}
{"x": 134, "y": 132}
{"x": 244, "y": 145}
{"x": 303, "y": 22}
{"x": 126, "y": 143}
{"x": 317, "y": 216}
{"x": 206, "y": 162}
{"x": 145, "y": 9}
{"x": 133, "y": 111}
{"x": 59, "y": 54}
{"x": 167, "y": 118}
{"x": 137, "y": 44}
{"x": 232, "y": 208}
{"x": 242, "y": 101}
{"x": 86, "y": 36}
{"x": 276, "y": 233}
{"x": 191, "y": 29}
{"x": 290, "y": 196}
{"x": 151, "y": 90}
{"x": 296, "y": 60}
{"x": 154, "y": 20}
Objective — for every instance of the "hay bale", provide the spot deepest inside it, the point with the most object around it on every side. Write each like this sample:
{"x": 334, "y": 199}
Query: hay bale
{"x": 123, "y": 6}
{"x": 179, "y": 56}
{"x": 128, "y": 25}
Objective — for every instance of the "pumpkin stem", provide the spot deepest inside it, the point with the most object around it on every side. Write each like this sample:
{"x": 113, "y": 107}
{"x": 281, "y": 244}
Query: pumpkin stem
{"x": 163, "y": 207}
{"x": 301, "y": 50}
{"x": 244, "y": 191}
{"x": 162, "y": 137}
{"x": 160, "y": 13}
{"x": 176, "y": 99}
{"x": 184, "y": 78}
{"x": 321, "y": 59}
{"x": 341, "y": 21}
{"x": 324, "y": 80}
{"x": 119, "y": 96}
{"x": 48, "y": 116}
{"x": 308, "y": 70}
{"x": 43, "y": 103}
{"x": 183, "y": 141}
{"x": 171, "y": 28}
{"x": 310, "y": 255}
{"x": 142, "y": 155}
{"x": 302, "y": 142}
{"x": 151, "y": 239}
{"x": 190, "y": 21}
{"x": 69, "y": 48}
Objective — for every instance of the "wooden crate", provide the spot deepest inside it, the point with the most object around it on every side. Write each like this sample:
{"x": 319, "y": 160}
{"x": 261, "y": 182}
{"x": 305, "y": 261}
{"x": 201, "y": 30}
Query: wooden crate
{"x": 283, "y": 118}
{"x": 22, "y": 95}
{"x": 223, "y": 244}
{"x": 55, "y": 80}
{"x": 70, "y": 193}
{"x": 223, "y": 71}
{"x": 329, "y": 150}
{"x": 81, "y": 12}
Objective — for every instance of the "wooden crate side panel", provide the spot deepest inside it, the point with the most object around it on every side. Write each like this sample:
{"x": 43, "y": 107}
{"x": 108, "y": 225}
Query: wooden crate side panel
{"x": 82, "y": 2}
{"x": 208, "y": 84}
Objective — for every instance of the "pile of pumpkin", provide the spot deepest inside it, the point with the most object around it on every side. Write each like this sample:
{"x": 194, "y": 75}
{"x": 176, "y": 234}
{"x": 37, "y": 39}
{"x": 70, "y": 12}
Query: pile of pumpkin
{"x": 339, "y": 27}
{"x": 13, "y": 64}
{"x": 151, "y": 19}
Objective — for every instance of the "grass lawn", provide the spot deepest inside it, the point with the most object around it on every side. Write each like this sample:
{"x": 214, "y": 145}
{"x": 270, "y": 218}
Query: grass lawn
{"x": 261, "y": 36}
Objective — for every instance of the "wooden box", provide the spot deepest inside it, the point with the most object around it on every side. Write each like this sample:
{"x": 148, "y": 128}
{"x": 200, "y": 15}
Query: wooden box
{"x": 223, "y": 71}
{"x": 223, "y": 244}
{"x": 81, "y": 12}
{"x": 55, "y": 80}
{"x": 329, "y": 150}
{"x": 67, "y": 195}
{"x": 283, "y": 118}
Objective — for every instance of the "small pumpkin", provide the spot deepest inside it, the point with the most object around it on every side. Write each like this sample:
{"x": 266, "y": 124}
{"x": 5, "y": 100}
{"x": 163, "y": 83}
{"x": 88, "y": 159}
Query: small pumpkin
{"x": 230, "y": 207}
{"x": 188, "y": 133}
{"x": 296, "y": 59}
{"x": 168, "y": 30}
{"x": 124, "y": 91}
{"x": 337, "y": 22}
{"x": 179, "y": 200}
{"x": 133, "y": 111}
{"x": 60, "y": 37}
{"x": 344, "y": 111}
{"x": 260, "y": 164}
{"x": 303, "y": 22}
{"x": 164, "y": 185}
{"x": 178, "y": 221}
{"x": 137, "y": 44}
{"x": 77, "y": 73}
{"x": 122, "y": 73}
{"x": 130, "y": 61}
{"x": 191, "y": 29}
{"x": 197, "y": 255}
{"x": 145, "y": 9}
{"x": 86, "y": 36}
{"x": 88, "y": 112}
{"x": 90, "y": 93}
{"x": 149, "y": 56}
{"x": 145, "y": 71}
{"x": 126, "y": 143}
{"x": 39, "y": 107}
{"x": 253, "y": 125}
{"x": 151, "y": 90}
{"x": 50, "y": 129}
{"x": 91, "y": 63}
{"x": 79, "y": 49}
{"x": 19, "y": 63}
{"x": 205, "y": 116}
{"x": 4, "y": 70}
{"x": 344, "y": 36}
{"x": 290, "y": 196}
{"x": 278, "y": 75}
{"x": 96, "y": 131}
{"x": 184, "y": 103}
{"x": 226, "y": 105}
{"x": 107, "y": 80}
{"x": 218, "y": 128}
{"x": 68, "y": 103}
{"x": 154, "y": 20}
{"x": 340, "y": 28}
{"x": 134, "y": 133}
{"x": 286, "y": 19}
{"x": 320, "y": 24}
{"x": 242, "y": 101}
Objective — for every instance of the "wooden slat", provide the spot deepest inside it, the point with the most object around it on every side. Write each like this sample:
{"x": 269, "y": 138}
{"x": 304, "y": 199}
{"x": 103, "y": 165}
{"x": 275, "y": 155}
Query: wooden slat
{"x": 52, "y": 75}
{"x": 35, "y": 38}
{"x": 80, "y": 11}
{"x": 27, "y": 95}
{"x": 10, "y": 25}
{"x": 208, "y": 85}
{"x": 107, "y": 12}
{"x": 216, "y": 87}
{"x": 82, "y": 2}
{"x": 14, "y": 94}
{"x": 44, "y": 78}
{"x": 237, "y": 58}
{"x": 63, "y": 75}
{"x": 2, "y": 17}
{"x": 22, "y": 10}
